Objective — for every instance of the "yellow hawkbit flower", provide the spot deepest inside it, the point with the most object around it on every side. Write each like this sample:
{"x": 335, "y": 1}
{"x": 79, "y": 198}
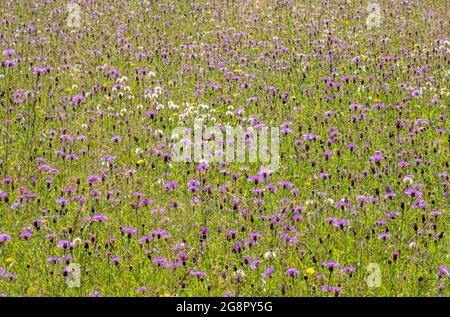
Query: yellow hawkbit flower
{"x": 166, "y": 294}
{"x": 9, "y": 260}
{"x": 171, "y": 82}
{"x": 238, "y": 71}
{"x": 310, "y": 271}
{"x": 140, "y": 162}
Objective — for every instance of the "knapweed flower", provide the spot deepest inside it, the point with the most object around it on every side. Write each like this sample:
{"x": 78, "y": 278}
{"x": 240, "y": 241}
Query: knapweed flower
{"x": 331, "y": 289}
{"x": 161, "y": 234}
{"x": 331, "y": 265}
{"x": 115, "y": 260}
{"x": 4, "y": 238}
{"x": 384, "y": 235}
{"x": 9, "y": 52}
{"x": 65, "y": 244}
{"x": 444, "y": 271}
{"x": 95, "y": 294}
{"x": 199, "y": 274}
{"x": 128, "y": 231}
{"x": 99, "y": 218}
{"x": 292, "y": 272}
{"x": 268, "y": 272}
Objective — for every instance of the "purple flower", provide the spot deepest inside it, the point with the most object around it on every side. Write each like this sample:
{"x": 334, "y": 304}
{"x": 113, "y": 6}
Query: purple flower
{"x": 349, "y": 268}
{"x": 115, "y": 260}
{"x": 444, "y": 271}
{"x": 116, "y": 138}
{"x": 9, "y": 52}
{"x": 199, "y": 274}
{"x": 384, "y": 236}
{"x": 330, "y": 289}
{"x": 99, "y": 218}
{"x": 292, "y": 272}
{"x": 54, "y": 259}
{"x": 65, "y": 244}
{"x": 413, "y": 193}
{"x": 145, "y": 239}
{"x": 25, "y": 234}
{"x": 141, "y": 289}
{"x": 129, "y": 231}
{"x": 268, "y": 272}
{"x": 161, "y": 234}
{"x": 4, "y": 238}
{"x": 331, "y": 265}
{"x": 377, "y": 157}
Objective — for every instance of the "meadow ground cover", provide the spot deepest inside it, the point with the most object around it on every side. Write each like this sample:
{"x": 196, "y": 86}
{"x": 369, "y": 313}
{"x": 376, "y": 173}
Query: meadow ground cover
{"x": 95, "y": 95}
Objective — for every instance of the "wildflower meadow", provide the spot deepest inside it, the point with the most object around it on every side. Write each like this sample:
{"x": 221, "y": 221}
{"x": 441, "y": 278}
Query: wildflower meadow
{"x": 240, "y": 148}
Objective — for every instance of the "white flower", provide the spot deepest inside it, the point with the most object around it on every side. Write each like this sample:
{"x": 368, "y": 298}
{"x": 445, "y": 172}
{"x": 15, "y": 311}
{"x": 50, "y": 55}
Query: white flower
{"x": 76, "y": 241}
{"x": 408, "y": 180}
{"x": 270, "y": 255}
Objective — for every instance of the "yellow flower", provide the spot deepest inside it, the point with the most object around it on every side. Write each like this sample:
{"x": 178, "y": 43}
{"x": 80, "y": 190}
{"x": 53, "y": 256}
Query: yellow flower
{"x": 68, "y": 89}
{"x": 140, "y": 162}
{"x": 307, "y": 183}
{"x": 310, "y": 271}
{"x": 166, "y": 294}
{"x": 9, "y": 260}
{"x": 175, "y": 114}
{"x": 171, "y": 82}
{"x": 238, "y": 70}
{"x": 235, "y": 95}
{"x": 132, "y": 64}
{"x": 249, "y": 36}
